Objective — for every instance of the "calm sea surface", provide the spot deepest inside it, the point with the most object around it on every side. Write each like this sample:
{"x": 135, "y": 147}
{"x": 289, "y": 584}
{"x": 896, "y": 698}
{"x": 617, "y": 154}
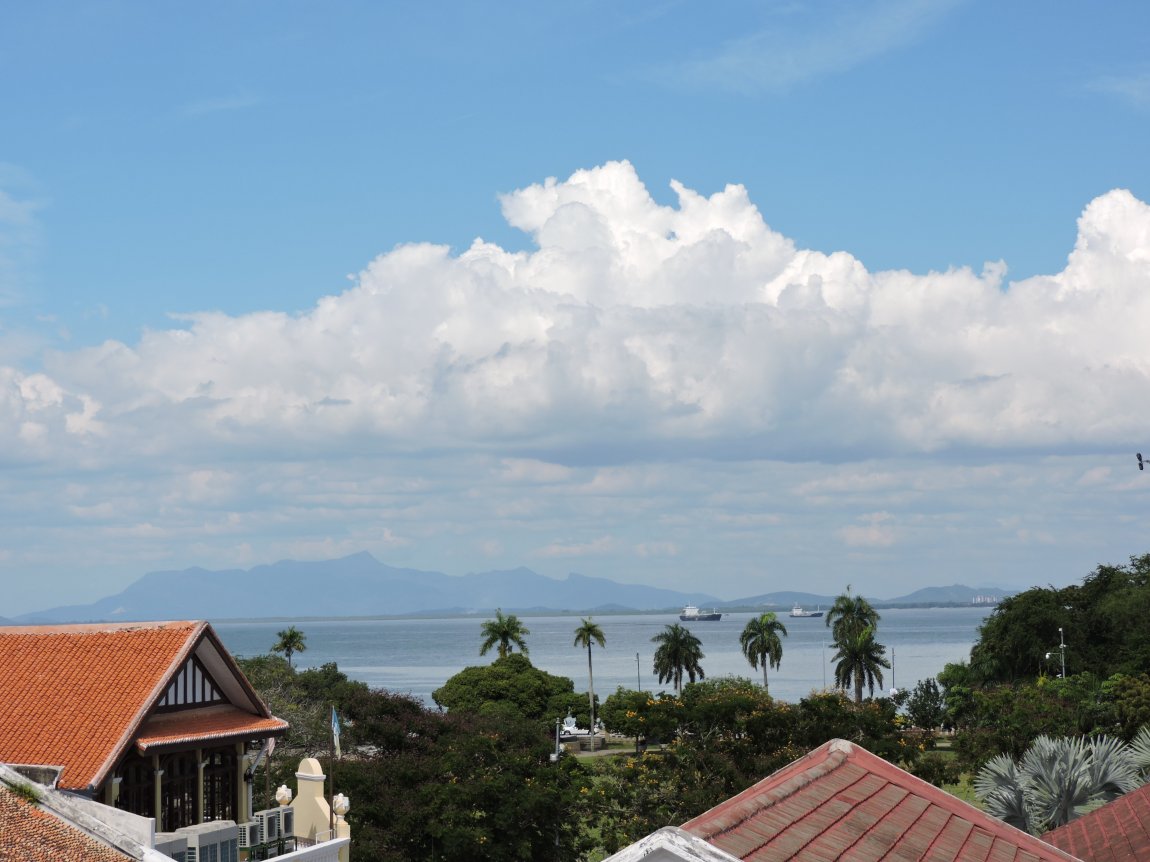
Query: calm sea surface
{"x": 417, "y": 656}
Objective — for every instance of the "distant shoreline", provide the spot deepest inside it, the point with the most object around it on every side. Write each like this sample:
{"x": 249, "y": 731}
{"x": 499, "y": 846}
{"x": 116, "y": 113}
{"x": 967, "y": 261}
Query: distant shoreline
{"x": 550, "y": 612}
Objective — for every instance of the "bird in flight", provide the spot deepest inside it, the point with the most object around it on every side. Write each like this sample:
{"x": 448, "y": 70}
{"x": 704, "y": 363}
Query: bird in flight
{"x": 1141, "y": 465}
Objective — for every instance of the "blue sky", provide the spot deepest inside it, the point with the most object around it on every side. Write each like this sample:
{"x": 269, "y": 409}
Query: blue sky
{"x": 242, "y": 317}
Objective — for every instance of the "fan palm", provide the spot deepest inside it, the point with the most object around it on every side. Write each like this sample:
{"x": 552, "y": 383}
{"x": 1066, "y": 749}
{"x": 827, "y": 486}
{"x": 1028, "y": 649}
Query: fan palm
{"x": 1056, "y": 780}
{"x": 587, "y": 634}
{"x": 679, "y": 652}
{"x": 290, "y": 641}
{"x": 761, "y": 644}
{"x": 860, "y": 661}
{"x": 505, "y": 630}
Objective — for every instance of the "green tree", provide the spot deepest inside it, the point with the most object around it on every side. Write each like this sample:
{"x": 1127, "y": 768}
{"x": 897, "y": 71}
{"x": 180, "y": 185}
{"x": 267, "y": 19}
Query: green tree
{"x": 860, "y": 661}
{"x": 849, "y": 615}
{"x": 679, "y": 652}
{"x": 507, "y": 631}
{"x": 290, "y": 641}
{"x": 957, "y": 684}
{"x": 1014, "y": 640}
{"x": 1055, "y": 781}
{"x": 1129, "y": 698}
{"x": 510, "y": 685}
{"x": 761, "y": 643}
{"x": 586, "y": 634}
{"x": 1103, "y": 623}
{"x": 1005, "y": 719}
{"x": 925, "y": 707}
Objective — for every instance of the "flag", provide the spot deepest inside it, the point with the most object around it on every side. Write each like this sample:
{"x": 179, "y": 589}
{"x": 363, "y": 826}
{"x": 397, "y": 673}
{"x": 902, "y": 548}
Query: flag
{"x": 335, "y": 730}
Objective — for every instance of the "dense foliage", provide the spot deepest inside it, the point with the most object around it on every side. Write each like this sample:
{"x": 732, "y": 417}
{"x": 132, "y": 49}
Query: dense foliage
{"x": 512, "y": 686}
{"x": 479, "y": 782}
{"x": 1012, "y": 690}
{"x": 1104, "y": 622}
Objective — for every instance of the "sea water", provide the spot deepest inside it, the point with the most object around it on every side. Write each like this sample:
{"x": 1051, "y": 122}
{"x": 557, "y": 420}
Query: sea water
{"x": 417, "y": 656}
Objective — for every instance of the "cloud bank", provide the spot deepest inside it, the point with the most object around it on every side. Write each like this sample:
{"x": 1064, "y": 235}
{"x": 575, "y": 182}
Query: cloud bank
{"x": 632, "y": 331}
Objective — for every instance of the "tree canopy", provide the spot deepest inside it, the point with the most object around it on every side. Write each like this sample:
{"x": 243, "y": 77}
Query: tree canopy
{"x": 761, "y": 643}
{"x": 860, "y": 661}
{"x": 1103, "y": 621}
{"x": 506, "y": 631}
{"x": 849, "y": 615}
{"x": 289, "y": 641}
{"x": 510, "y": 685}
{"x": 679, "y": 652}
{"x": 586, "y": 634}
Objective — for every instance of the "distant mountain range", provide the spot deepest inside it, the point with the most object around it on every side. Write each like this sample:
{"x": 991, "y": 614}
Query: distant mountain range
{"x": 360, "y": 585}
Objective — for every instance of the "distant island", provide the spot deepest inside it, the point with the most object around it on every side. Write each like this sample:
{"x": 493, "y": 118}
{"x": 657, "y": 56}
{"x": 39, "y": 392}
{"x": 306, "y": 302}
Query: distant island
{"x": 362, "y": 586}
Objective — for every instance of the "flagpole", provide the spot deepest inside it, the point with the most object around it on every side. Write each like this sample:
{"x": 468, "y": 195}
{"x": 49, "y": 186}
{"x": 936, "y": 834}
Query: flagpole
{"x": 331, "y": 792}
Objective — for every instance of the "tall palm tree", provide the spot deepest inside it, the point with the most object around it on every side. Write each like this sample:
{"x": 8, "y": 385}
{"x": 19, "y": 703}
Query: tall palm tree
{"x": 1056, "y": 780}
{"x": 291, "y": 640}
{"x": 860, "y": 660}
{"x": 761, "y": 644}
{"x": 849, "y": 615}
{"x": 679, "y": 652}
{"x": 505, "y": 630}
{"x": 587, "y": 634}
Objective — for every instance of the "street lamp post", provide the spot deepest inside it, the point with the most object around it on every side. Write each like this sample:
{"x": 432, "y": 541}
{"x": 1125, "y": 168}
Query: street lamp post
{"x": 1061, "y": 652}
{"x": 893, "y": 687}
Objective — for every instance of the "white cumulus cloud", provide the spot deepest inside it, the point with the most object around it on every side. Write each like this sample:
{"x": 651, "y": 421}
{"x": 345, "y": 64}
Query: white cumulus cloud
{"x": 660, "y": 390}
{"x": 633, "y": 330}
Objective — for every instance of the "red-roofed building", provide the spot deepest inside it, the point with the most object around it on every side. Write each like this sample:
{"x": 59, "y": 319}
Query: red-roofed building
{"x": 30, "y": 834}
{"x": 1119, "y": 831}
{"x": 840, "y": 802}
{"x": 152, "y": 718}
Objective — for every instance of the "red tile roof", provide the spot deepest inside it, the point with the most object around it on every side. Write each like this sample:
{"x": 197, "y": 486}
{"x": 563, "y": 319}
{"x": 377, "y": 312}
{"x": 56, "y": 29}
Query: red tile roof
{"x": 1117, "y": 832}
{"x": 202, "y": 725}
{"x": 842, "y": 802}
{"x": 29, "y": 834}
{"x": 75, "y": 696}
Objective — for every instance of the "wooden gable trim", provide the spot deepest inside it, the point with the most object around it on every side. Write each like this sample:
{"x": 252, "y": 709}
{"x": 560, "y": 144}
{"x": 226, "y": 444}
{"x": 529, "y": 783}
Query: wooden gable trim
{"x": 192, "y": 686}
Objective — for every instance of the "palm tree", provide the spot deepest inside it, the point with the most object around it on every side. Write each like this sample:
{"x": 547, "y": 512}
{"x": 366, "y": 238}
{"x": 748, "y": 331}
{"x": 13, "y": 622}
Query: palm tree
{"x": 761, "y": 644}
{"x": 507, "y": 631}
{"x": 585, "y": 635}
{"x": 1056, "y": 780}
{"x": 849, "y": 615}
{"x": 679, "y": 652}
{"x": 860, "y": 659}
{"x": 291, "y": 640}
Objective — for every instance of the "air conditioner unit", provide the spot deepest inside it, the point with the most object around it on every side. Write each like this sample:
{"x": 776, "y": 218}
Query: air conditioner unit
{"x": 250, "y": 833}
{"x": 275, "y": 823}
{"x": 215, "y": 841}
{"x": 269, "y": 821}
{"x": 173, "y": 845}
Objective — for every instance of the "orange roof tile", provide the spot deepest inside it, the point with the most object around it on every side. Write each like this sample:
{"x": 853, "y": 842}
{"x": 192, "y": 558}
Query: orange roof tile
{"x": 75, "y": 696}
{"x": 32, "y": 835}
{"x": 1119, "y": 831}
{"x": 200, "y": 725}
{"x": 842, "y": 802}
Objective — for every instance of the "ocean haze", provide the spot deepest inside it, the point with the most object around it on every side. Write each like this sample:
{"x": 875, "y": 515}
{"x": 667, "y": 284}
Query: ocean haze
{"x": 359, "y": 585}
